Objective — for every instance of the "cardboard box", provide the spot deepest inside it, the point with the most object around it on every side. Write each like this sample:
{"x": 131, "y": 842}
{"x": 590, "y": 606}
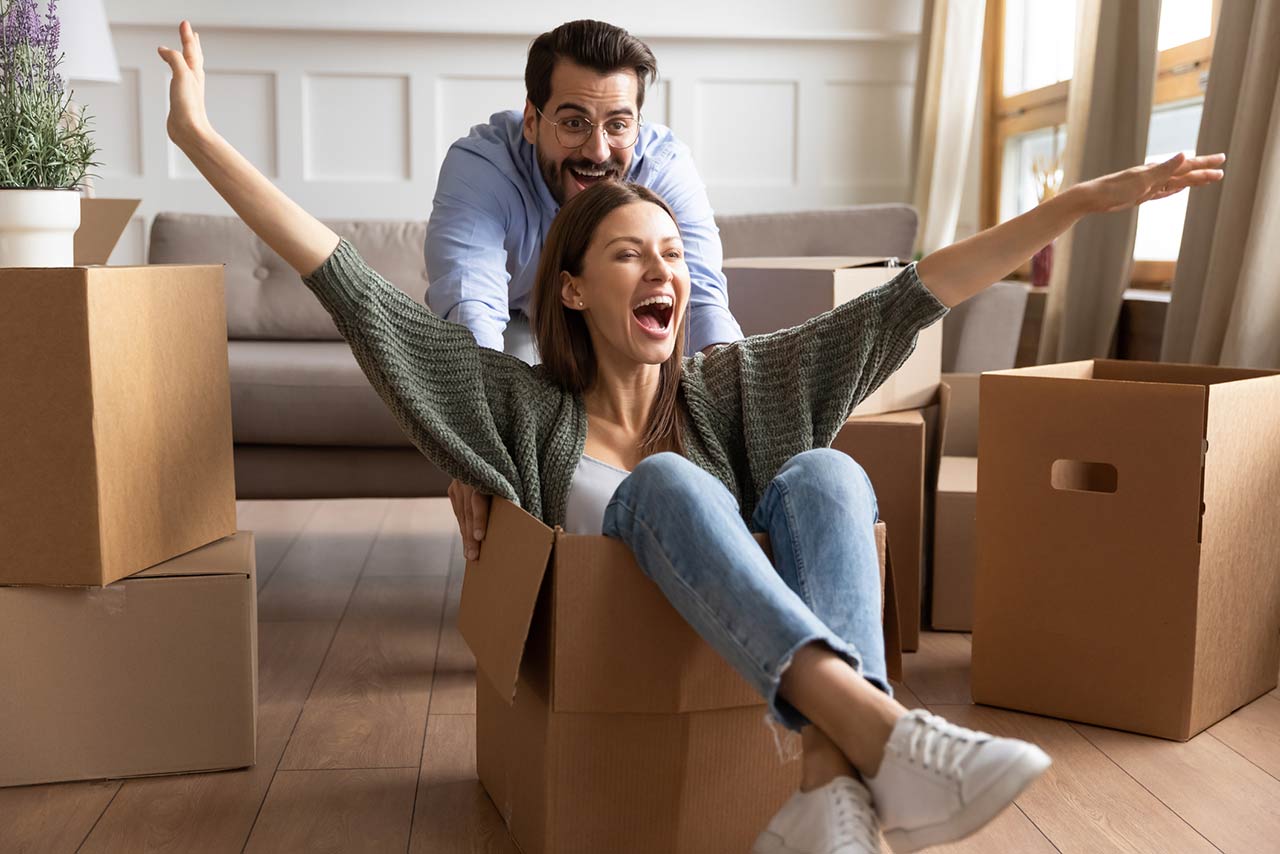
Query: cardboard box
{"x": 603, "y": 721}
{"x": 155, "y": 674}
{"x": 955, "y": 523}
{"x": 900, "y": 453}
{"x": 956, "y": 510}
{"x": 1127, "y": 543}
{"x": 768, "y": 294}
{"x": 102, "y": 221}
{"x": 115, "y": 420}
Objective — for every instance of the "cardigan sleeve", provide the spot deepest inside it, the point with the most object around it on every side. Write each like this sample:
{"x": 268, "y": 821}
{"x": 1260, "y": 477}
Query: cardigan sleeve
{"x": 791, "y": 390}
{"x": 458, "y": 403}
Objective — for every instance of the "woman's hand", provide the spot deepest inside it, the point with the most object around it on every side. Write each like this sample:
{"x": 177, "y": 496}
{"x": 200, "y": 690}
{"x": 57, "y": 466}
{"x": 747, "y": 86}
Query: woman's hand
{"x": 187, "y": 116}
{"x": 1149, "y": 182}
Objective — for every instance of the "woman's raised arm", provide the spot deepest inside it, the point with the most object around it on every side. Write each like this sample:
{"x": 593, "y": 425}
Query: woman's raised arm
{"x": 299, "y": 238}
{"x": 963, "y": 269}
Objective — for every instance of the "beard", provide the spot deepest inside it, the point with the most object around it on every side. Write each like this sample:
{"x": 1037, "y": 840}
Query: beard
{"x": 555, "y": 173}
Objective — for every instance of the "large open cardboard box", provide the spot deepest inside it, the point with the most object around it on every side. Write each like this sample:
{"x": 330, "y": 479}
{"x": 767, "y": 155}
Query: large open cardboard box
{"x": 1128, "y": 551}
{"x": 115, "y": 420}
{"x": 154, "y": 674}
{"x": 603, "y": 721}
{"x": 768, "y": 294}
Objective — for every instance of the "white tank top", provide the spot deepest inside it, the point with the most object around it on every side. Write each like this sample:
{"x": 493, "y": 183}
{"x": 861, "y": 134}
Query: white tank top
{"x": 594, "y": 483}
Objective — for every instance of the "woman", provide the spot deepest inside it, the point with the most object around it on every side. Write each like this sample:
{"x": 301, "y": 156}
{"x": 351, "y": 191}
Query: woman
{"x": 686, "y": 452}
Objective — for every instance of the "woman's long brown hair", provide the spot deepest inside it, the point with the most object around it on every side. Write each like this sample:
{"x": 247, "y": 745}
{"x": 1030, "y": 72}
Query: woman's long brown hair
{"x": 564, "y": 342}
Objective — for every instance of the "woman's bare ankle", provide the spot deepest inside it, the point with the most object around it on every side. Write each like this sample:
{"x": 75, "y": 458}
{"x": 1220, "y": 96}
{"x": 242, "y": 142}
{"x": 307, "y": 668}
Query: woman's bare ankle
{"x": 823, "y": 761}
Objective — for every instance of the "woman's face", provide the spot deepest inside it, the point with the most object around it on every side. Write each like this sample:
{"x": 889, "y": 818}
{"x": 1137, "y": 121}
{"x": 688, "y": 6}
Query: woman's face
{"x": 634, "y": 286}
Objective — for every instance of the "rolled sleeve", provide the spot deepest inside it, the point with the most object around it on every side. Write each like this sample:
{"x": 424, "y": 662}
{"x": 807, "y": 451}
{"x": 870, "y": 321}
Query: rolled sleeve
{"x": 466, "y": 249}
{"x": 677, "y": 181}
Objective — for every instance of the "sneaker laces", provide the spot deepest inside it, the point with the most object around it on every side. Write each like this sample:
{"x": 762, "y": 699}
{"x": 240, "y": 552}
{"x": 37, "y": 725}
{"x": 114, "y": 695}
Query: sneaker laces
{"x": 937, "y": 743}
{"x": 856, "y": 822}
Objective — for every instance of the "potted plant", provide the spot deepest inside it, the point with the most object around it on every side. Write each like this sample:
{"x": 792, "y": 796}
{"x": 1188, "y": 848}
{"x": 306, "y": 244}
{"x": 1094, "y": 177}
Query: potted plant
{"x": 46, "y": 149}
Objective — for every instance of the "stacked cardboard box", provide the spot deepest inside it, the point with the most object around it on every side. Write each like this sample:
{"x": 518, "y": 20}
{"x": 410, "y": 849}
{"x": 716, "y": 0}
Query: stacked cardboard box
{"x": 603, "y": 721}
{"x": 956, "y": 510}
{"x": 768, "y": 294}
{"x": 127, "y": 622}
{"x": 1127, "y": 545}
{"x": 895, "y": 433}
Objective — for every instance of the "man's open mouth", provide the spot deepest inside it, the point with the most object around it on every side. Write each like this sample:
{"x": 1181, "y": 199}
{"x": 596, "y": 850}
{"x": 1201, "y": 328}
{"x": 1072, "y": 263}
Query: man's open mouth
{"x": 588, "y": 175}
{"x": 654, "y": 315}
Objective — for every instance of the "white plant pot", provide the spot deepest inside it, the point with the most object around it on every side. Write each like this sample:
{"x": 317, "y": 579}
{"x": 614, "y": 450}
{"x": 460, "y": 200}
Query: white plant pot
{"x": 38, "y": 227}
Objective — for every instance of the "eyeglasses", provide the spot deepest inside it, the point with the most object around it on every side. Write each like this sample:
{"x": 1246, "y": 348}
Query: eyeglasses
{"x": 620, "y": 132}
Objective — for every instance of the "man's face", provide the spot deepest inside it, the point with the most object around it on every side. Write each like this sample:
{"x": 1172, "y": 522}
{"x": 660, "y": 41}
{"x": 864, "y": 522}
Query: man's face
{"x": 579, "y": 93}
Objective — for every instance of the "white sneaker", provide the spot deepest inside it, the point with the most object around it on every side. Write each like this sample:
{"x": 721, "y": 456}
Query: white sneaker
{"x": 939, "y": 782}
{"x": 833, "y": 819}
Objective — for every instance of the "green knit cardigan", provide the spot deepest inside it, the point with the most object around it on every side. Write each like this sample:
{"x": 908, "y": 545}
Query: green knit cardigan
{"x": 505, "y": 428}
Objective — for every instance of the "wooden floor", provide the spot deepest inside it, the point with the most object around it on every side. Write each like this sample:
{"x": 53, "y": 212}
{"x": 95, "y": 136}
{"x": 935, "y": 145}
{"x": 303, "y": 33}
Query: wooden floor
{"x": 366, "y": 728}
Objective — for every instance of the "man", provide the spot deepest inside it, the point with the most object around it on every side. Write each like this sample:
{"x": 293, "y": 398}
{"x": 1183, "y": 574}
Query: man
{"x": 502, "y": 185}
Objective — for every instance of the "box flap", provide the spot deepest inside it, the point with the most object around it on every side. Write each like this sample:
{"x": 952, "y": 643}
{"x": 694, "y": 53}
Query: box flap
{"x": 813, "y": 262}
{"x": 102, "y": 221}
{"x": 620, "y": 646}
{"x": 500, "y": 591}
{"x": 889, "y": 606}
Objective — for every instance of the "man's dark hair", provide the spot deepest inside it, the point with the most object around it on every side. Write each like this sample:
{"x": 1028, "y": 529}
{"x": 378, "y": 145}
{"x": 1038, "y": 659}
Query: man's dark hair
{"x": 592, "y": 44}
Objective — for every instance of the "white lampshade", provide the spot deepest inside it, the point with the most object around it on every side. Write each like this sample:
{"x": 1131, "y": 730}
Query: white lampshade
{"x": 88, "y": 53}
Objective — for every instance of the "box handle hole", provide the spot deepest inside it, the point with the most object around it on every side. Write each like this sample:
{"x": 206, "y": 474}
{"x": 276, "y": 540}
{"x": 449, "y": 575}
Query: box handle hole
{"x": 1081, "y": 476}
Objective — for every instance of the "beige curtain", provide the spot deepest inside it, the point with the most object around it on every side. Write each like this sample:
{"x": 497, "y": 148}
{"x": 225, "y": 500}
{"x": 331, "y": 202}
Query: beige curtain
{"x": 947, "y": 99}
{"x": 1226, "y": 293}
{"x": 1108, "y": 112}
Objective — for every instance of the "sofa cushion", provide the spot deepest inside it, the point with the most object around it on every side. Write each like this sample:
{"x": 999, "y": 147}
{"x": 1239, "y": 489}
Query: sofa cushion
{"x": 305, "y": 393}
{"x": 265, "y": 297}
{"x": 860, "y": 230}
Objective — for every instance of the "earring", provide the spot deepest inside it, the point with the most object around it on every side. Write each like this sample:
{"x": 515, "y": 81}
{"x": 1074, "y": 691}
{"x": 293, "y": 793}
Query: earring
{"x": 581, "y": 303}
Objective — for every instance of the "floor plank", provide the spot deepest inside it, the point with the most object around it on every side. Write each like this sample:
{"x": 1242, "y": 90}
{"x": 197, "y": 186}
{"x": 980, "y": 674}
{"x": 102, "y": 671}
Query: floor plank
{"x": 1084, "y": 803}
{"x": 316, "y": 576}
{"x": 1230, "y": 801}
{"x": 1011, "y": 832}
{"x": 368, "y": 708}
{"x": 51, "y": 819}
{"x": 1254, "y": 732}
{"x": 416, "y": 537}
{"x": 453, "y": 814}
{"x": 905, "y": 696}
{"x": 276, "y": 526}
{"x": 939, "y": 671}
{"x": 454, "y": 688}
{"x": 354, "y": 811}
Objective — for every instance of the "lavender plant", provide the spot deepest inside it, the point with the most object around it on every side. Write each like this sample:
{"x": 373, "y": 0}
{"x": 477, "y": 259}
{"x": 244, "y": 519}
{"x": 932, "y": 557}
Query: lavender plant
{"x": 44, "y": 142}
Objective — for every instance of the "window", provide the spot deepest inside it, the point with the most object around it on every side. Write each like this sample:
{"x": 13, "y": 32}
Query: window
{"x": 1029, "y": 52}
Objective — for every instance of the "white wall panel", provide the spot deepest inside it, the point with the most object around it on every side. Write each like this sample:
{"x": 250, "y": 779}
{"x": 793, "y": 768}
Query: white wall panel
{"x": 746, "y": 132}
{"x": 357, "y": 127}
{"x": 863, "y": 124}
{"x": 116, "y": 124}
{"x": 242, "y": 105}
{"x": 463, "y": 101}
{"x": 354, "y": 123}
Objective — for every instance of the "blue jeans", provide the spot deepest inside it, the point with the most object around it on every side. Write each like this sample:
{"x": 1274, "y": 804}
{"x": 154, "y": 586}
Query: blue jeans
{"x": 687, "y": 534}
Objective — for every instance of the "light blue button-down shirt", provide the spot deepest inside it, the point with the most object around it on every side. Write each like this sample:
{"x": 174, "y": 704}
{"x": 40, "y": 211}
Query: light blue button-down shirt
{"x": 491, "y": 214}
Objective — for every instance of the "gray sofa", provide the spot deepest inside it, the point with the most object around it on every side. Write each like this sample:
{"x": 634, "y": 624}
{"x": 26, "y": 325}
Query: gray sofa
{"x": 305, "y": 421}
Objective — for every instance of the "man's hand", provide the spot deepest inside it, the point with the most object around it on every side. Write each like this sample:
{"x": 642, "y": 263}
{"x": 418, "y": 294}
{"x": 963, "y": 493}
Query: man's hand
{"x": 472, "y": 510}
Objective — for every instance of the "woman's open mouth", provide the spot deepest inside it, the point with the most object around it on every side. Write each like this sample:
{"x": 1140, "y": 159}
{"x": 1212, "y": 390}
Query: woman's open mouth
{"x": 653, "y": 316}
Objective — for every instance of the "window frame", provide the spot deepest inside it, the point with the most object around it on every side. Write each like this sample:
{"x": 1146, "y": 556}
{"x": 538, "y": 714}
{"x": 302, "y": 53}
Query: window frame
{"x": 1181, "y": 74}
